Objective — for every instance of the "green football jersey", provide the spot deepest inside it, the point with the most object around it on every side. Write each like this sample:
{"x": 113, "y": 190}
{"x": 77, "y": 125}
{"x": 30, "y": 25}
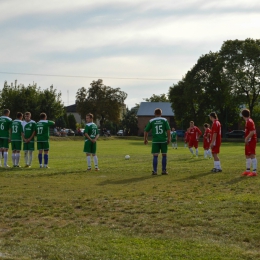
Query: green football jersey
{"x": 43, "y": 130}
{"x": 29, "y": 128}
{"x": 5, "y": 126}
{"x": 92, "y": 130}
{"x": 16, "y": 129}
{"x": 159, "y": 127}
{"x": 173, "y": 135}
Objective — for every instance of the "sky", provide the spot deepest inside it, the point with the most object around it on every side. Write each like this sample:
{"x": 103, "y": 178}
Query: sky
{"x": 142, "y": 47}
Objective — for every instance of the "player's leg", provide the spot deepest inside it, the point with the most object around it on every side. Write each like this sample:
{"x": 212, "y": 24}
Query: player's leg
{"x": 155, "y": 152}
{"x": 176, "y": 145}
{"x": 6, "y": 147}
{"x": 1, "y": 150}
{"x": 251, "y": 152}
{"x": 217, "y": 165}
{"x": 94, "y": 155}
{"x": 87, "y": 150}
{"x": 40, "y": 149}
{"x": 196, "y": 145}
{"x": 164, "y": 149}
{"x": 26, "y": 153}
{"x": 209, "y": 153}
{"x": 13, "y": 153}
{"x": 191, "y": 148}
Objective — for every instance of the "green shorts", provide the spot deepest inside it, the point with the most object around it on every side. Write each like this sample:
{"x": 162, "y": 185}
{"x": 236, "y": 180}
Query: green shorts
{"x": 157, "y": 147}
{"x": 4, "y": 143}
{"x": 16, "y": 145}
{"x": 43, "y": 146}
{"x": 90, "y": 147}
{"x": 28, "y": 146}
{"x": 174, "y": 140}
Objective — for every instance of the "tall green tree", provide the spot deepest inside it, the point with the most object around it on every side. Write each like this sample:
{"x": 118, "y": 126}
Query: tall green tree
{"x": 102, "y": 101}
{"x": 33, "y": 99}
{"x": 241, "y": 64}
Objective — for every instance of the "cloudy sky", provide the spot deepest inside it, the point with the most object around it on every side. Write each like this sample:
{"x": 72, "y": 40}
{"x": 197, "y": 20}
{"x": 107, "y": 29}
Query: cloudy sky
{"x": 141, "y": 47}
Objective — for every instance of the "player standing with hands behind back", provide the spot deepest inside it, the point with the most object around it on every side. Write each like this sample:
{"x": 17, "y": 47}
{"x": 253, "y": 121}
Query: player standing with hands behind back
{"x": 250, "y": 144}
{"x": 161, "y": 138}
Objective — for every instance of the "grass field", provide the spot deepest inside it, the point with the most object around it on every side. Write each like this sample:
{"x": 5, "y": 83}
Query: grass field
{"x": 122, "y": 212}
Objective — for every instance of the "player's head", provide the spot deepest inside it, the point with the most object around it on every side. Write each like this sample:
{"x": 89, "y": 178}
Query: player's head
{"x": 43, "y": 116}
{"x": 27, "y": 116}
{"x": 213, "y": 116}
{"x": 191, "y": 123}
{"x": 89, "y": 118}
{"x": 206, "y": 125}
{"x": 245, "y": 113}
{"x": 173, "y": 129}
{"x": 157, "y": 112}
{"x": 6, "y": 112}
{"x": 19, "y": 115}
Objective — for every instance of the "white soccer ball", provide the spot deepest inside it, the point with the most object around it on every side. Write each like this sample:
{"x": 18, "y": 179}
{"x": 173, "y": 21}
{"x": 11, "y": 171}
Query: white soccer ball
{"x": 127, "y": 157}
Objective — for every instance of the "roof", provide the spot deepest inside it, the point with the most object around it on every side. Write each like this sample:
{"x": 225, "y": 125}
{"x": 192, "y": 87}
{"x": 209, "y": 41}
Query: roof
{"x": 147, "y": 108}
{"x": 71, "y": 109}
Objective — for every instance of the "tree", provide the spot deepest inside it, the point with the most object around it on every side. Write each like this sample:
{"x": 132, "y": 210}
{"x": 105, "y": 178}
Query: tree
{"x": 157, "y": 98}
{"x": 130, "y": 122}
{"x": 241, "y": 64}
{"x": 102, "y": 101}
{"x": 33, "y": 99}
{"x": 71, "y": 121}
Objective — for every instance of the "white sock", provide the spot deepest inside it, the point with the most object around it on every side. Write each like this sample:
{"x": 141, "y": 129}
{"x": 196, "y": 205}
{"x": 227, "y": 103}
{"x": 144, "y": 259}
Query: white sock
{"x": 0, "y": 158}
{"x": 172, "y": 144}
{"x": 191, "y": 150}
{"x": 197, "y": 152}
{"x": 176, "y": 145}
{"x": 205, "y": 153}
{"x": 18, "y": 155}
{"x": 248, "y": 164}
{"x": 209, "y": 153}
{"x": 30, "y": 157}
{"x": 13, "y": 158}
{"x": 5, "y": 158}
{"x": 89, "y": 161}
{"x": 218, "y": 165}
{"x": 254, "y": 163}
{"x": 26, "y": 157}
{"x": 95, "y": 161}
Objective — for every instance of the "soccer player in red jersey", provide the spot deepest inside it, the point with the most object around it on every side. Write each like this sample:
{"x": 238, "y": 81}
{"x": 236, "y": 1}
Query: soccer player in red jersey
{"x": 215, "y": 141}
{"x": 206, "y": 141}
{"x": 250, "y": 144}
{"x": 194, "y": 134}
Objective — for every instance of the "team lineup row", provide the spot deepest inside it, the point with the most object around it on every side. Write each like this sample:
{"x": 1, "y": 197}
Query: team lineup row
{"x": 162, "y": 136}
{"x": 20, "y": 131}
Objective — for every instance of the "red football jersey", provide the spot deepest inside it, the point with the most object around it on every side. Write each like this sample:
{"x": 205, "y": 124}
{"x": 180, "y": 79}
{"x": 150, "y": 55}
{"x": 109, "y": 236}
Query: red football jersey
{"x": 216, "y": 128}
{"x": 207, "y": 135}
{"x": 195, "y": 133}
{"x": 250, "y": 126}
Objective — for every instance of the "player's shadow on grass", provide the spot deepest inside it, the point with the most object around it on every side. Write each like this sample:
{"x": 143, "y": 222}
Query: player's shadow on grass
{"x": 236, "y": 180}
{"x": 192, "y": 177}
{"x": 126, "y": 181}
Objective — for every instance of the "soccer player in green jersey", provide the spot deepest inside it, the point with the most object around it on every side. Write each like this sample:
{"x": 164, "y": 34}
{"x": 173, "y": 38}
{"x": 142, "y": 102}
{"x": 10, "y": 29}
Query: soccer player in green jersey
{"x": 91, "y": 135}
{"x": 174, "y": 138}
{"x": 16, "y": 139}
{"x": 43, "y": 135}
{"x": 5, "y": 132}
{"x": 161, "y": 138}
{"x": 29, "y": 131}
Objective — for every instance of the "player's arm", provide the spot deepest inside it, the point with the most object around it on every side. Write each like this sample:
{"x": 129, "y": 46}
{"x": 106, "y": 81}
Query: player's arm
{"x": 95, "y": 139}
{"x": 169, "y": 136}
{"x": 214, "y": 137}
{"x": 248, "y": 138}
{"x": 31, "y": 137}
{"x": 145, "y": 137}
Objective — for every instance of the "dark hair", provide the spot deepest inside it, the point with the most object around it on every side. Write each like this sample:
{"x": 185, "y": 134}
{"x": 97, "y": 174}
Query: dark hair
{"x": 90, "y": 115}
{"x": 43, "y": 116}
{"x": 19, "y": 115}
{"x": 206, "y": 125}
{"x": 245, "y": 113}
{"x": 27, "y": 113}
{"x": 157, "y": 111}
{"x": 6, "y": 111}
{"x": 214, "y": 115}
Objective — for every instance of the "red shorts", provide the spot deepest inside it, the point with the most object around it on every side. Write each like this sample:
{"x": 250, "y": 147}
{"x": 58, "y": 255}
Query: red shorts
{"x": 250, "y": 148}
{"x": 194, "y": 143}
{"x": 215, "y": 149}
{"x": 206, "y": 145}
